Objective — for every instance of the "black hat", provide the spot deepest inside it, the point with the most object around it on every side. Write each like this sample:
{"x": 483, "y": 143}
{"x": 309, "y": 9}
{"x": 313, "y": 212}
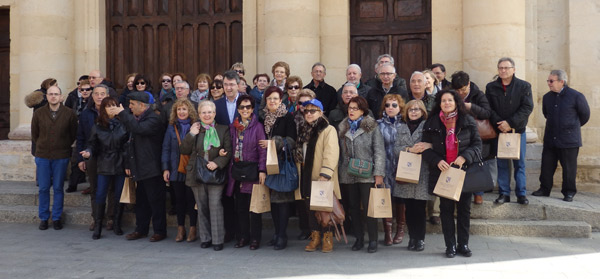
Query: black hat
{"x": 139, "y": 96}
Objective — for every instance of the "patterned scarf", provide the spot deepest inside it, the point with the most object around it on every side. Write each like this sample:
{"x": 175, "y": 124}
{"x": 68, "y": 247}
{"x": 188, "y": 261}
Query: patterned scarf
{"x": 293, "y": 106}
{"x": 355, "y": 124}
{"x": 240, "y": 126}
{"x": 185, "y": 127}
{"x": 451, "y": 141}
{"x": 211, "y": 138}
{"x": 271, "y": 117}
{"x": 304, "y": 134}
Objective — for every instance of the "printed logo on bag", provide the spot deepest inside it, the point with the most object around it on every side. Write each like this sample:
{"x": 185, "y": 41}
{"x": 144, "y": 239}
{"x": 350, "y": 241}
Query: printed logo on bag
{"x": 264, "y": 197}
{"x": 448, "y": 178}
{"x": 508, "y": 144}
{"x": 321, "y": 193}
{"x": 382, "y": 201}
{"x": 409, "y": 164}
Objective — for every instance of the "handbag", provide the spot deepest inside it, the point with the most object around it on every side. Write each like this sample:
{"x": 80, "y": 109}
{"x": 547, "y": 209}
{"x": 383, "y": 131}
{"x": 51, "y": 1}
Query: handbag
{"x": 245, "y": 171}
{"x": 287, "y": 179}
{"x": 486, "y": 131}
{"x": 359, "y": 167}
{"x": 479, "y": 176}
{"x": 183, "y": 159}
{"x": 206, "y": 176}
{"x": 334, "y": 218}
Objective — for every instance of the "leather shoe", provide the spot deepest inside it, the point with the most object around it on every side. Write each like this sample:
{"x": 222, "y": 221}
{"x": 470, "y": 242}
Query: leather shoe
{"x": 135, "y": 236}
{"x": 218, "y": 247}
{"x": 57, "y": 224}
{"x": 303, "y": 235}
{"x": 281, "y": 243}
{"x": 243, "y": 242}
{"x": 358, "y": 244}
{"x": 372, "y": 247}
{"x": 522, "y": 200}
{"x": 478, "y": 199}
{"x": 43, "y": 225}
{"x": 272, "y": 241}
{"x": 205, "y": 244}
{"x": 71, "y": 189}
{"x": 420, "y": 245}
{"x": 541, "y": 193}
{"x": 502, "y": 199}
{"x": 157, "y": 237}
{"x": 434, "y": 220}
{"x": 464, "y": 250}
{"x": 568, "y": 198}
{"x": 450, "y": 252}
{"x": 254, "y": 244}
{"x": 411, "y": 244}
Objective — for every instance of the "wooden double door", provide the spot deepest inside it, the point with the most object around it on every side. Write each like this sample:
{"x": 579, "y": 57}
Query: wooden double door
{"x": 401, "y": 28}
{"x": 155, "y": 36}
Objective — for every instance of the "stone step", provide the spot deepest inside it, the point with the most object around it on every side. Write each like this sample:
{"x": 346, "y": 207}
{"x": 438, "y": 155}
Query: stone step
{"x": 530, "y": 228}
{"x": 510, "y": 211}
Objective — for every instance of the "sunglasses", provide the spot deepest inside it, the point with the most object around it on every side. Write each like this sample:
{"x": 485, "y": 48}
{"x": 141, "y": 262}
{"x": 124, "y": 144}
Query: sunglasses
{"x": 311, "y": 111}
{"x": 86, "y": 89}
{"x": 216, "y": 87}
{"x": 239, "y": 71}
{"x": 141, "y": 83}
{"x": 414, "y": 110}
{"x": 166, "y": 80}
{"x": 294, "y": 87}
{"x": 248, "y": 107}
{"x": 394, "y": 105}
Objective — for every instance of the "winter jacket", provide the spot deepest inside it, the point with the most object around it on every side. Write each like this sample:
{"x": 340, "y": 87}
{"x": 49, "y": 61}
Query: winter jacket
{"x": 36, "y": 99}
{"x": 565, "y": 113}
{"x": 418, "y": 191}
{"x": 376, "y": 94}
{"x": 480, "y": 109}
{"x": 513, "y": 105}
{"x": 87, "y": 120}
{"x": 365, "y": 144}
{"x": 362, "y": 89}
{"x": 325, "y": 93}
{"x": 53, "y": 137}
{"x": 108, "y": 145}
{"x": 170, "y": 153}
{"x": 251, "y": 152}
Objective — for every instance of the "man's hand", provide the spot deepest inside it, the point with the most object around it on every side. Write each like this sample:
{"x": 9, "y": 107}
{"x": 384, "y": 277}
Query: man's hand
{"x": 504, "y": 127}
{"x": 81, "y": 166}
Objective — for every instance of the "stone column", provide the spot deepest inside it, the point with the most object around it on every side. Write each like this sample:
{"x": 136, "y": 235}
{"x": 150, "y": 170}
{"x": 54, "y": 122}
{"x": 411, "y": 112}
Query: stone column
{"x": 46, "y": 50}
{"x": 335, "y": 40}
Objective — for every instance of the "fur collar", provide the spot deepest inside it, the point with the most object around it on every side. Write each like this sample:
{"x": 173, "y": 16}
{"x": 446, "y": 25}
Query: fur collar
{"x": 368, "y": 124}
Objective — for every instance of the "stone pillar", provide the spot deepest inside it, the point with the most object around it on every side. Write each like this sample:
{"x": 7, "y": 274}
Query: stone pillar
{"x": 47, "y": 26}
{"x": 447, "y": 34}
{"x": 335, "y": 40}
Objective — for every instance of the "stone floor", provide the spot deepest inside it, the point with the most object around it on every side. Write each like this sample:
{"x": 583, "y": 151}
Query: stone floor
{"x": 27, "y": 252}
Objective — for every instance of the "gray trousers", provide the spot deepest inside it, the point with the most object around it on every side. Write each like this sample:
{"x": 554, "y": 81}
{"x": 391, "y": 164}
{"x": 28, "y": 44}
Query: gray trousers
{"x": 211, "y": 224}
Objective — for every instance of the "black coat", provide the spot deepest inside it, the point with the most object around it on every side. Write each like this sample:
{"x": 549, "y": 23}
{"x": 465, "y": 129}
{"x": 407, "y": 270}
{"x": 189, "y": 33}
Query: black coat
{"x": 565, "y": 113}
{"x": 515, "y": 105}
{"x": 107, "y": 144}
{"x": 376, "y": 94}
{"x": 145, "y": 143}
{"x": 284, "y": 127}
{"x": 325, "y": 93}
{"x": 434, "y": 132}
{"x": 480, "y": 109}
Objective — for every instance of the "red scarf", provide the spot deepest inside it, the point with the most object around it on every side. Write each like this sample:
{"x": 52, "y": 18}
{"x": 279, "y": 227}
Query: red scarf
{"x": 451, "y": 141}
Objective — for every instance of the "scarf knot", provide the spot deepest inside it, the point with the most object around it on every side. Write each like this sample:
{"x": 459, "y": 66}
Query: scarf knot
{"x": 211, "y": 138}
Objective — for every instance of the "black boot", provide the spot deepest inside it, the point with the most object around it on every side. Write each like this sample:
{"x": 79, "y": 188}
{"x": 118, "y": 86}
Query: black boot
{"x": 98, "y": 220}
{"x": 118, "y": 216}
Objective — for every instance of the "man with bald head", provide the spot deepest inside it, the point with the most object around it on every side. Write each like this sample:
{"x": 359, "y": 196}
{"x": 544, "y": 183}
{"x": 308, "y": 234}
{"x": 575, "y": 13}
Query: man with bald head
{"x": 417, "y": 91}
{"x": 96, "y": 77}
{"x": 384, "y": 85}
{"x": 354, "y": 75}
{"x": 381, "y": 60}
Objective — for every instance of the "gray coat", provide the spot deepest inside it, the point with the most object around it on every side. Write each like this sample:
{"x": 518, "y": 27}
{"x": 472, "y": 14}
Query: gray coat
{"x": 409, "y": 190}
{"x": 367, "y": 143}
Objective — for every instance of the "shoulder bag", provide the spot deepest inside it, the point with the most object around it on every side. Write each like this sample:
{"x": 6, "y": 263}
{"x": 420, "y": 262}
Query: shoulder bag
{"x": 478, "y": 177}
{"x": 287, "y": 179}
{"x": 358, "y": 167}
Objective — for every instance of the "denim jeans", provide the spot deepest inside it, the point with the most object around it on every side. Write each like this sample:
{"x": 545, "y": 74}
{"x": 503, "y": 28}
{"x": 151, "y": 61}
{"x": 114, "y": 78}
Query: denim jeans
{"x": 102, "y": 187}
{"x": 47, "y": 170}
{"x": 519, "y": 173}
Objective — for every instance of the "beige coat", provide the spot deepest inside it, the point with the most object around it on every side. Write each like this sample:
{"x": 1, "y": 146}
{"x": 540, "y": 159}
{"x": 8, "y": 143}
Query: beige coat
{"x": 327, "y": 154}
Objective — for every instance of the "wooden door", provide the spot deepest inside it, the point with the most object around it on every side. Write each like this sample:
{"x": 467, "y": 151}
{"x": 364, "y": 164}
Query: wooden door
{"x": 4, "y": 74}
{"x": 156, "y": 36}
{"x": 401, "y": 28}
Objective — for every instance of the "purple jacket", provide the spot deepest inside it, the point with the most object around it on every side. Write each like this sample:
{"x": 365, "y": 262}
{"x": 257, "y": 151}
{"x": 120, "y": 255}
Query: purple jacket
{"x": 251, "y": 151}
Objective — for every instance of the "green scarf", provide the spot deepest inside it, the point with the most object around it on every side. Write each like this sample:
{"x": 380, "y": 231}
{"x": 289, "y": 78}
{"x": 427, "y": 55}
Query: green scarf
{"x": 211, "y": 138}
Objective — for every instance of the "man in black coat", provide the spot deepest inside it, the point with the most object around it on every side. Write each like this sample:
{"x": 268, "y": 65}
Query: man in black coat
{"x": 385, "y": 59}
{"x": 384, "y": 85}
{"x": 325, "y": 92}
{"x": 143, "y": 165}
{"x": 511, "y": 103}
{"x": 566, "y": 110}
{"x": 440, "y": 73}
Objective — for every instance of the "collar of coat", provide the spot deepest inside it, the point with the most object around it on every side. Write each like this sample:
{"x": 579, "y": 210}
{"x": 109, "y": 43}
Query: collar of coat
{"x": 368, "y": 124}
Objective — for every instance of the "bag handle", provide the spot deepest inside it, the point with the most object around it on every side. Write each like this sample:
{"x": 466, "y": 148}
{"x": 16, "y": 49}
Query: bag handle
{"x": 177, "y": 134}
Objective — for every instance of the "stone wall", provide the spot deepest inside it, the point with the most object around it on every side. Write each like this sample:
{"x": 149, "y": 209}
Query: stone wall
{"x": 16, "y": 162}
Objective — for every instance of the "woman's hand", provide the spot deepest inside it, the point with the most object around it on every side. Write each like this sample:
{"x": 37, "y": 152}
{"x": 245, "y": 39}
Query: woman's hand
{"x": 212, "y": 166}
{"x": 128, "y": 172}
{"x": 263, "y": 143}
{"x": 261, "y": 178}
{"x": 85, "y": 154}
{"x": 378, "y": 180}
{"x": 443, "y": 165}
{"x": 222, "y": 153}
{"x": 195, "y": 128}
{"x": 460, "y": 160}
{"x": 166, "y": 175}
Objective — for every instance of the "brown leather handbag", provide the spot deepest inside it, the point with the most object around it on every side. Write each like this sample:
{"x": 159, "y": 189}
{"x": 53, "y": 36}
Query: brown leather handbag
{"x": 486, "y": 131}
{"x": 183, "y": 159}
{"x": 334, "y": 219}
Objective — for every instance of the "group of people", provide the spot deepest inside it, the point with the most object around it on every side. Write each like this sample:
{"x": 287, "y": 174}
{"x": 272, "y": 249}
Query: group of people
{"x": 173, "y": 135}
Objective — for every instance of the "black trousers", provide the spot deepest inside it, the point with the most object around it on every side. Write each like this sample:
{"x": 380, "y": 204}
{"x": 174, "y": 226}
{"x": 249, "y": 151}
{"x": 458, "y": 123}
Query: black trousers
{"x": 281, "y": 215}
{"x": 229, "y": 215}
{"x": 568, "y": 161}
{"x": 359, "y": 194}
{"x": 150, "y": 205}
{"x": 303, "y": 213}
{"x": 249, "y": 223}
{"x": 184, "y": 204}
{"x": 463, "y": 219}
{"x": 415, "y": 218}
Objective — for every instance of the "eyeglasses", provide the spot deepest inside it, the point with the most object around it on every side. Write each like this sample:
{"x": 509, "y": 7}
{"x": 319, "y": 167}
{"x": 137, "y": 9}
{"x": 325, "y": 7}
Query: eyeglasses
{"x": 216, "y": 87}
{"x": 141, "y": 83}
{"x": 293, "y": 87}
{"x": 311, "y": 111}
{"x": 551, "y": 81}
{"x": 353, "y": 108}
{"x": 504, "y": 68}
{"x": 394, "y": 105}
{"x": 166, "y": 80}
{"x": 180, "y": 88}
{"x": 53, "y": 94}
{"x": 86, "y": 89}
{"x": 99, "y": 93}
{"x": 386, "y": 74}
{"x": 248, "y": 107}
{"x": 239, "y": 71}
{"x": 414, "y": 110}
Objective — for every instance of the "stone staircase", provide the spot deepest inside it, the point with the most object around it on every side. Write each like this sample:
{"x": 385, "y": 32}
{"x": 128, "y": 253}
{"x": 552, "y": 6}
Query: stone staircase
{"x": 545, "y": 217}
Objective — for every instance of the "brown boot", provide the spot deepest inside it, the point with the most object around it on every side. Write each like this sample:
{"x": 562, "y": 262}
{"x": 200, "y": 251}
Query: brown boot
{"x": 109, "y": 225}
{"x": 315, "y": 241}
{"x": 400, "y": 221}
{"x": 92, "y": 225}
{"x": 387, "y": 229}
{"x": 327, "y": 242}
{"x": 180, "y": 234}
{"x": 193, "y": 235}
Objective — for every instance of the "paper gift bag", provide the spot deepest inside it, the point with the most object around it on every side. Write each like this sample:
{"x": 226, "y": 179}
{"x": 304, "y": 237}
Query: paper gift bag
{"x": 260, "y": 201}
{"x": 128, "y": 193}
{"x": 509, "y": 145}
{"x": 321, "y": 196}
{"x": 409, "y": 167}
{"x": 380, "y": 203}
{"x": 272, "y": 161}
{"x": 450, "y": 184}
